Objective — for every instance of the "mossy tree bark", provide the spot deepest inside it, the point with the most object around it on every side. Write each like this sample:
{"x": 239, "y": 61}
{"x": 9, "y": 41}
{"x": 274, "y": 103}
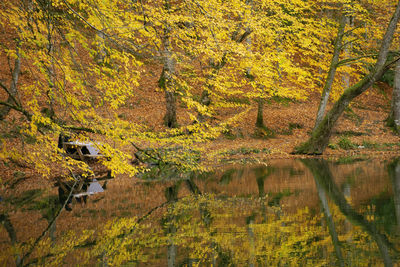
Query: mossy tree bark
{"x": 331, "y": 73}
{"x": 394, "y": 117}
{"x": 13, "y": 89}
{"x": 167, "y": 83}
{"x": 319, "y": 139}
{"x": 260, "y": 110}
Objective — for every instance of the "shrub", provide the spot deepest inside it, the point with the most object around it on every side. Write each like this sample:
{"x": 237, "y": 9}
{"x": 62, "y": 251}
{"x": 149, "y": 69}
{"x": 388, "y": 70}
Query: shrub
{"x": 346, "y": 144}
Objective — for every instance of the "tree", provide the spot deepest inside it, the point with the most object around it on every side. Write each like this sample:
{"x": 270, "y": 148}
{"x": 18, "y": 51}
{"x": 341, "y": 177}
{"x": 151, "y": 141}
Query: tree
{"x": 331, "y": 73}
{"x": 320, "y": 136}
{"x": 49, "y": 50}
{"x": 394, "y": 116}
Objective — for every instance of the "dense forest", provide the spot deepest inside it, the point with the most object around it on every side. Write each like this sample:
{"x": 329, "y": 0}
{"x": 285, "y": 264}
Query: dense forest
{"x": 165, "y": 78}
{"x": 153, "y": 100}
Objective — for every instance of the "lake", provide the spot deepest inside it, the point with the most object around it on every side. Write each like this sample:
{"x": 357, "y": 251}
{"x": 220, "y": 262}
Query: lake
{"x": 312, "y": 212}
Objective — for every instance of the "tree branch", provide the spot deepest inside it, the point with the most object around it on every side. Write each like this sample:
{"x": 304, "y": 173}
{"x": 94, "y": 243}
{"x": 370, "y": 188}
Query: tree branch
{"x": 349, "y": 60}
{"x": 51, "y": 223}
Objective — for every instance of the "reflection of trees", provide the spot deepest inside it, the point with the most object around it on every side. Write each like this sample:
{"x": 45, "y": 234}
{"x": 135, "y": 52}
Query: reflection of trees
{"x": 329, "y": 219}
{"x": 204, "y": 229}
{"x": 262, "y": 172}
{"x": 394, "y": 174}
{"x": 330, "y": 222}
{"x": 323, "y": 177}
{"x": 171, "y": 194}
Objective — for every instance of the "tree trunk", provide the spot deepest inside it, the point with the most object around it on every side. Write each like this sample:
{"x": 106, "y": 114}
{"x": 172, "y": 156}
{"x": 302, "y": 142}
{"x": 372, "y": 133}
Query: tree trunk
{"x": 394, "y": 116}
{"x": 260, "y": 117}
{"x": 101, "y": 50}
{"x": 167, "y": 83}
{"x": 331, "y": 73}
{"x": 319, "y": 139}
{"x": 347, "y": 53}
{"x": 13, "y": 89}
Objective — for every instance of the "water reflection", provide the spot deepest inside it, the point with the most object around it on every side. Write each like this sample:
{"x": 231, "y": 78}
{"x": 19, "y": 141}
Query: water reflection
{"x": 70, "y": 191}
{"x": 304, "y": 212}
{"x": 325, "y": 184}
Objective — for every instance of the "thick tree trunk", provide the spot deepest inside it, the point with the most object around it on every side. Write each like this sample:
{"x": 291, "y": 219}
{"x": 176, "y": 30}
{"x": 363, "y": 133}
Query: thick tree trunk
{"x": 319, "y": 139}
{"x": 13, "y": 89}
{"x": 320, "y": 171}
{"x": 260, "y": 116}
{"x": 331, "y": 73}
{"x": 167, "y": 83}
{"x": 394, "y": 116}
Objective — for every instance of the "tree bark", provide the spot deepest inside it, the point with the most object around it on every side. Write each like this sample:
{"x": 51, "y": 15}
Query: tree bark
{"x": 260, "y": 116}
{"x": 167, "y": 83}
{"x": 394, "y": 116}
{"x": 319, "y": 139}
{"x": 13, "y": 89}
{"x": 331, "y": 73}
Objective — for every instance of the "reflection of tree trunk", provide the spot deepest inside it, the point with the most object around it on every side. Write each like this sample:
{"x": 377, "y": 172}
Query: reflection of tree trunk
{"x": 262, "y": 173}
{"x": 330, "y": 222}
{"x": 320, "y": 170}
{"x": 207, "y": 220}
{"x": 394, "y": 174}
{"x": 252, "y": 251}
{"x": 320, "y": 136}
{"x": 347, "y": 225}
{"x": 171, "y": 194}
{"x": 51, "y": 223}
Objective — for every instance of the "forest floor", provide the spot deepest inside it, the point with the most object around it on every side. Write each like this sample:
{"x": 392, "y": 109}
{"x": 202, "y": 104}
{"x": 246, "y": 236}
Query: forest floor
{"x": 361, "y": 130}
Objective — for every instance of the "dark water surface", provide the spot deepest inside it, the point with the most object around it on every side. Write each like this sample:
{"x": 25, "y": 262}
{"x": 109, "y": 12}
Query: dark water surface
{"x": 307, "y": 212}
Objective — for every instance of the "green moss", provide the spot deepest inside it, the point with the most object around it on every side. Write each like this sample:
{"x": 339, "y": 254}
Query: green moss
{"x": 346, "y": 143}
{"x": 332, "y": 146}
{"x": 245, "y": 151}
{"x": 350, "y": 159}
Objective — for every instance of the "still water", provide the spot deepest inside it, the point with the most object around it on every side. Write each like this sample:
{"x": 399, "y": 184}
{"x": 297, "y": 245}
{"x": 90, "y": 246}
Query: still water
{"x": 308, "y": 212}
